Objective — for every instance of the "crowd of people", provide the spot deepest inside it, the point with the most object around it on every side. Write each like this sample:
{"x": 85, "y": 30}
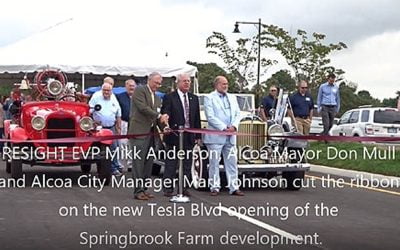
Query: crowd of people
{"x": 7, "y": 105}
{"x": 301, "y": 105}
{"x": 139, "y": 110}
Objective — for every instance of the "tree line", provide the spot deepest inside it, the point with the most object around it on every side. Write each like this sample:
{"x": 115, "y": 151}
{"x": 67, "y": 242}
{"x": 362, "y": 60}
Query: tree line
{"x": 307, "y": 56}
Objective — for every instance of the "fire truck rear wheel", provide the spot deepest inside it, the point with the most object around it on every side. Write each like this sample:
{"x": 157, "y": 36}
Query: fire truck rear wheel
{"x": 85, "y": 168}
{"x": 16, "y": 169}
{"x": 8, "y": 166}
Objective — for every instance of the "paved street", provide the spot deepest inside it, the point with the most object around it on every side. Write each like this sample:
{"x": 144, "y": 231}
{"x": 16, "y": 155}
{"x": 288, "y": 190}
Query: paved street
{"x": 365, "y": 219}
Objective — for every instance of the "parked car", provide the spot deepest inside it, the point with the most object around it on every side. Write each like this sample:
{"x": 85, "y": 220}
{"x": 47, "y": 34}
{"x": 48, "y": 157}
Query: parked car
{"x": 317, "y": 126}
{"x": 368, "y": 121}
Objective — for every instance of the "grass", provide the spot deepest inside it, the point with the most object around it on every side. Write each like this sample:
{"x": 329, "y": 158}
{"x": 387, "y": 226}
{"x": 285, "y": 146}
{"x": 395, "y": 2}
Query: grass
{"x": 356, "y": 156}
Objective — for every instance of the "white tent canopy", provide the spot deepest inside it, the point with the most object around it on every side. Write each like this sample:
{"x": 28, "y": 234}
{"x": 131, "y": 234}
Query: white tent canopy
{"x": 100, "y": 69}
{"x": 86, "y": 48}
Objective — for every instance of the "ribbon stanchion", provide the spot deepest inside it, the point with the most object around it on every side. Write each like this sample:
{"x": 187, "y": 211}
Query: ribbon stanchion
{"x": 180, "y": 198}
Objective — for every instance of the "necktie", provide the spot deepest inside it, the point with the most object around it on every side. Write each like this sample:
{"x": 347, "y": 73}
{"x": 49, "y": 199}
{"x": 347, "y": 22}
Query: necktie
{"x": 186, "y": 104}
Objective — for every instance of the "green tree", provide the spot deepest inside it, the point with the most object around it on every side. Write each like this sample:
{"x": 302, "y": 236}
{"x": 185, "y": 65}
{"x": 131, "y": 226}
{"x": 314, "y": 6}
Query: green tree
{"x": 207, "y": 73}
{"x": 281, "y": 79}
{"x": 391, "y": 102}
{"x": 307, "y": 56}
{"x": 364, "y": 94}
{"x": 240, "y": 59}
{"x": 350, "y": 99}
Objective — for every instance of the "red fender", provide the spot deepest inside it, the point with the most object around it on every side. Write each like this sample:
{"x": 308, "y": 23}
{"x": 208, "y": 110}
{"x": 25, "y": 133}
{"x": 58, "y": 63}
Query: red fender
{"x": 105, "y": 132}
{"x": 19, "y": 135}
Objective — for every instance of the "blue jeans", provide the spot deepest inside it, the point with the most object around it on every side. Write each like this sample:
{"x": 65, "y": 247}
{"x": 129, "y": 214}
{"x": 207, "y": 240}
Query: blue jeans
{"x": 230, "y": 164}
{"x": 113, "y": 147}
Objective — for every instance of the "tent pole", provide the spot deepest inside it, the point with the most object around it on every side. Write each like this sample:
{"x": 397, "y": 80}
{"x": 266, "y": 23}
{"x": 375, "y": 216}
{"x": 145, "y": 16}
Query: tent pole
{"x": 196, "y": 84}
{"x": 83, "y": 83}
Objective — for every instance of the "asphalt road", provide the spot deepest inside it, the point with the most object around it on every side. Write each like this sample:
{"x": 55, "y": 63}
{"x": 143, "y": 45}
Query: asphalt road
{"x": 30, "y": 219}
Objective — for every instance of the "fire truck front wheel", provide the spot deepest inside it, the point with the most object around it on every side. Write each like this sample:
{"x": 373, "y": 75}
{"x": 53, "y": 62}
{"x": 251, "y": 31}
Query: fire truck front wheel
{"x": 85, "y": 168}
{"x": 104, "y": 170}
{"x": 104, "y": 167}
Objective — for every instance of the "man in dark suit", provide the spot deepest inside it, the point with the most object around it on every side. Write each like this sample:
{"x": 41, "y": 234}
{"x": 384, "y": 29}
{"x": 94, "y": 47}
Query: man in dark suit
{"x": 183, "y": 109}
{"x": 145, "y": 116}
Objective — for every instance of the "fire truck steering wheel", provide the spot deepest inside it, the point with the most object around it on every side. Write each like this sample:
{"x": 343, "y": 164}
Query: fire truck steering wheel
{"x": 70, "y": 98}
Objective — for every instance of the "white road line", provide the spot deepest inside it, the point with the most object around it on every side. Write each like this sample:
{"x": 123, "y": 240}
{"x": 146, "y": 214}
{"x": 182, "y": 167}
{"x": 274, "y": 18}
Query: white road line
{"x": 261, "y": 224}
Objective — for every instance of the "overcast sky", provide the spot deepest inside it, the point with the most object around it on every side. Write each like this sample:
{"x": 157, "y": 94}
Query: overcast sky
{"x": 371, "y": 29}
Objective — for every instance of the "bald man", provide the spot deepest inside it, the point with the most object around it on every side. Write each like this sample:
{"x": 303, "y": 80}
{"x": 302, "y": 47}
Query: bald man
{"x": 99, "y": 93}
{"x": 223, "y": 114}
{"x": 109, "y": 117}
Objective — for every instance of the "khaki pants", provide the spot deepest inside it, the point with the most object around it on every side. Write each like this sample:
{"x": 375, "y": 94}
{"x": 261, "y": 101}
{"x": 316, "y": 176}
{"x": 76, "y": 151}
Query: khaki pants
{"x": 303, "y": 125}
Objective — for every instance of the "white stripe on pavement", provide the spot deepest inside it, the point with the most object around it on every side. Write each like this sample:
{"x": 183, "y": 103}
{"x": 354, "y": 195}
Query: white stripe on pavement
{"x": 260, "y": 224}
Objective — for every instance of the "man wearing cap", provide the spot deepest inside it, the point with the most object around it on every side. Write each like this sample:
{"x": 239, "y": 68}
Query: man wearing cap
{"x": 268, "y": 102}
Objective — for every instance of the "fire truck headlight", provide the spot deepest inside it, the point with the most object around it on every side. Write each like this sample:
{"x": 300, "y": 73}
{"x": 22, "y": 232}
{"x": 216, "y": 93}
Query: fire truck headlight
{"x": 55, "y": 87}
{"x": 86, "y": 123}
{"x": 38, "y": 122}
{"x": 275, "y": 130}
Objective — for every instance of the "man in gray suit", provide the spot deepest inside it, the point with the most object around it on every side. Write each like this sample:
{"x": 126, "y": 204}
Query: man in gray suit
{"x": 145, "y": 116}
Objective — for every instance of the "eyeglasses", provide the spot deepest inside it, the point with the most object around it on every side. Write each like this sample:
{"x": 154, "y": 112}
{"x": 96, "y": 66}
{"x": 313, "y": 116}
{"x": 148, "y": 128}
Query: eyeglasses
{"x": 272, "y": 90}
{"x": 304, "y": 87}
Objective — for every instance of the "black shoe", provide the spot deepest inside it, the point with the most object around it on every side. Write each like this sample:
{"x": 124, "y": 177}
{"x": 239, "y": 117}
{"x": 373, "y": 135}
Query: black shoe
{"x": 150, "y": 196}
{"x": 214, "y": 193}
{"x": 237, "y": 193}
{"x": 141, "y": 196}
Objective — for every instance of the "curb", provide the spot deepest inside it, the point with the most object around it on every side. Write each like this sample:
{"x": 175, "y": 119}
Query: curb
{"x": 353, "y": 174}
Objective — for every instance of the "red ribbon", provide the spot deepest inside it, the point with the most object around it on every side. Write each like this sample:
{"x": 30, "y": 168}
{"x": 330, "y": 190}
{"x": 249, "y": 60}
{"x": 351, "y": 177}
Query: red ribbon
{"x": 212, "y": 132}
